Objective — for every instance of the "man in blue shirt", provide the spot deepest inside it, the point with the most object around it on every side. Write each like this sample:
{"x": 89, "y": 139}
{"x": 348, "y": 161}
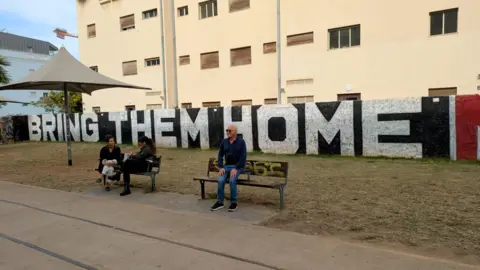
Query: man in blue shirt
{"x": 234, "y": 150}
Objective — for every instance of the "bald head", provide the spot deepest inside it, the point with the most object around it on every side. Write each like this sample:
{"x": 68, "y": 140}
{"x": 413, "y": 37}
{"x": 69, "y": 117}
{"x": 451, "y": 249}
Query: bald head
{"x": 231, "y": 131}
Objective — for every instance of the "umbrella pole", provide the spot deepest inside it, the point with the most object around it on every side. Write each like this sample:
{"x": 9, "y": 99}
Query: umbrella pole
{"x": 67, "y": 120}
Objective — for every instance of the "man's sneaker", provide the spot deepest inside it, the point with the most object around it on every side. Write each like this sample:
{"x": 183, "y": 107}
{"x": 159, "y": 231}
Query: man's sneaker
{"x": 216, "y": 206}
{"x": 232, "y": 207}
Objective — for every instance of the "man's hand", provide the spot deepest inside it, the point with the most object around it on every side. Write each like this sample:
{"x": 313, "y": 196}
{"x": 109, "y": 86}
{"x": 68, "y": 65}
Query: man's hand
{"x": 109, "y": 163}
{"x": 221, "y": 172}
{"x": 233, "y": 173}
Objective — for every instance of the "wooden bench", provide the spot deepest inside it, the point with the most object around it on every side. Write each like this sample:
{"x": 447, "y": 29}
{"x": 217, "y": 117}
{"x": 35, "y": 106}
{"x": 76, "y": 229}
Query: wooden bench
{"x": 153, "y": 169}
{"x": 256, "y": 174}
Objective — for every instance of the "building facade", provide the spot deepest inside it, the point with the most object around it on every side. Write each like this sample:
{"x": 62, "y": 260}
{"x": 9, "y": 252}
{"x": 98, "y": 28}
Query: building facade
{"x": 25, "y": 55}
{"x": 224, "y": 53}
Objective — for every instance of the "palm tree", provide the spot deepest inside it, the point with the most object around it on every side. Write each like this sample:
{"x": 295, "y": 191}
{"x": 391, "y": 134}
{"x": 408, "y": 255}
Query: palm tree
{"x": 4, "y": 78}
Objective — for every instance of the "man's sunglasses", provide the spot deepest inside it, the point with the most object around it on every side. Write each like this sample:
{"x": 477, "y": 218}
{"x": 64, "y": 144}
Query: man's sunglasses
{"x": 228, "y": 130}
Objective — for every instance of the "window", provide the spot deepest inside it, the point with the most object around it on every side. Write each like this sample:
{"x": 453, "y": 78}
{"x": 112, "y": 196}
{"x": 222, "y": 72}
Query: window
{"x": 186, "y": 105}
{"x": 96, "y": 109}
{"x": 209, "y": 60}
{"x": 45, "y": 95}
{"x": 182, "y": 11}
{"x": 299, "y": 39}
{"x": 211, "y": 104}
{"x": 153, "y": 93}
{"x": 236, "y": 5}
{"x": 150, "y": 13}
{"x": 300, "y": 99}
{"x": 244, "y": 102}
{"x": 184, "y": 60}
{"x": 94, "y": 68}
{"x": 127, "y": 22}
{"x": 268, "y": 101}
{"x": 208, "y": 9}
{"x": 352, "y": 96}
{"x": 130, "y": 107}
{"x": 152, "y": 62}
{"x": 31, "y": 70}
{"x": 129, "y": 68}
{"x": 300, "y": 81}
{"x": 270, "y": 47}
{"x": 344, "y": 37}
{"x": 438, "y": 92}
{"x": 444, "y": 22}
{"x": 241, "y": 56}
{"x": 30, "y": 49}
{"x": 91, "y": 31}
{"x": 154, "y": 106}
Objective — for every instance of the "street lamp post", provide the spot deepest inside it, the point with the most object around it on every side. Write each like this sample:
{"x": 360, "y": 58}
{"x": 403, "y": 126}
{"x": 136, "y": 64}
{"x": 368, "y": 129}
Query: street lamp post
{"x": 279, "y": 57}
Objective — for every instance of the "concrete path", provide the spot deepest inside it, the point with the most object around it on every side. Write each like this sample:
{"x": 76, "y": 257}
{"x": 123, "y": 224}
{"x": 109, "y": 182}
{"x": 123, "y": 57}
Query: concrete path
{"x": 47, "y": 229}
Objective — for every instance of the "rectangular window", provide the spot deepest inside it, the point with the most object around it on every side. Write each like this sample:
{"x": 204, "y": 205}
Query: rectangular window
{"x": 444, "y": 22}
{"x": 96, "y": 109}
{"x": 241, "y": 56}
{"x": 243, "y": 102}
{"x": 153, "y": 93}
{"x": 129, "y": 68}
{"x": 211, "y": 104}
{"x": 300, "y": 81}
{"x": 94, "y": 68}
{"x": 45, "y": 95}
{"x": 270, "y": 47}
{"x": 186, "y": 105}
{"x": 184, "y": 60}
{"x": 182, "y": 11}
{"x": 152, "y": 62}
{"x": 344, "y": 37}
{"x": 299, "y": 39}
{"x": 130, "y": 107}
{"x": 350, "y": 96}
{"x": 270, "y": 101}
{"x": 91, "y": 30}
{"x": 300, "y": 99}
{"x": 154, "y": 106}
{"x": 127, "y": 22}
{"x": 237, "y": 5}
{"x": 438, "y": 92}
{"x": 30, "y": 49}
{"x": 150, "y": 13}
{"x": 209, "y": 60}
{"x": 207, "y": 9}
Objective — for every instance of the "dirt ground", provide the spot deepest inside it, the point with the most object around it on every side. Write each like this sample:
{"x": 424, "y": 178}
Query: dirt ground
{"x": 430, "y": 207}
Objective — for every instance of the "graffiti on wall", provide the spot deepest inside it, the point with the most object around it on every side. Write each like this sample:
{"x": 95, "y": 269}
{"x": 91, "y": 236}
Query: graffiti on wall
{"x": 7, "y": 134}
{"x": 414, "y": 127}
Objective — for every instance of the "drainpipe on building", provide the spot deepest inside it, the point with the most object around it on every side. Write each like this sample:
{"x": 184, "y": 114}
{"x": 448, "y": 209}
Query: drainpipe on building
{"x": 279, "y": 57}
{"x": 175, "y": 82}
{"x": 164, "y": 73}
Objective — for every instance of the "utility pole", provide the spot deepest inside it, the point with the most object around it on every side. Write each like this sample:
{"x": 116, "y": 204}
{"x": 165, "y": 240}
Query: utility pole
{"x": 175, "y": 81}
{"x": 279, "y": 56}
{"x": 164, "y": 73}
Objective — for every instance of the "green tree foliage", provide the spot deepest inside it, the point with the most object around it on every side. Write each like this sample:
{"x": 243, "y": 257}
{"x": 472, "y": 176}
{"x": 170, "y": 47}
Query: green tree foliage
{"x": 4, "y": 78}
{"x": 54, "y": 102}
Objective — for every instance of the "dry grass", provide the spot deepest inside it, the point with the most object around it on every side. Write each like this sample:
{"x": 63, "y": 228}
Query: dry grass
{"x": 431, "y": 207}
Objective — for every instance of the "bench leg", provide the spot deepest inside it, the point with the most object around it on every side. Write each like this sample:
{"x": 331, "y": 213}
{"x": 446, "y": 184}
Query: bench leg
{"x": 154, "y": 188}
{"x": 282, "y": 198}
{"x": 202, "y": 186}
{"x": 104, "y": 180}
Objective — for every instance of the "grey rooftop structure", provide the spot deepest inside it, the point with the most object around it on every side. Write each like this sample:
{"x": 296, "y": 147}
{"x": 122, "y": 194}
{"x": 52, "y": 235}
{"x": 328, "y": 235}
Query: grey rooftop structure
{"x": 24, "y": 44}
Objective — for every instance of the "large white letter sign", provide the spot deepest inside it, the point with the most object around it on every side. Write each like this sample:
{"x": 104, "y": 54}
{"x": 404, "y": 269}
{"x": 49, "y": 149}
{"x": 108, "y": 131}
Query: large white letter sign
{"x": 188, "y": 127}
{"x": 60, "y": 126}
{"x": 244, "y": 127}
{"x": 49, "y": 125}
{"x": 342, "y": 121}
{"x": 34, "y": 128}
{"x": 160, "y": 127}
{"x": 93, "y": 127}
{"x": 74, "y": 129}
{"x": 118, "y": 117}
{"x": 290, "y": 114}
{"x": 372, "y": 127}
{"x": 136, "y": 127}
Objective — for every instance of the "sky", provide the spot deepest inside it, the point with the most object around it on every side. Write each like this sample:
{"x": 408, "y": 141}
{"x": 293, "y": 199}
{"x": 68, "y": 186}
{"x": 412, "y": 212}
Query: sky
{"x": 38, "y": 18}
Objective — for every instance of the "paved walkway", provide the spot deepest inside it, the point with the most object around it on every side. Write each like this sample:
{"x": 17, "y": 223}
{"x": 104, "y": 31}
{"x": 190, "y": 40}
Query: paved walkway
{"x": 47, "y": 229}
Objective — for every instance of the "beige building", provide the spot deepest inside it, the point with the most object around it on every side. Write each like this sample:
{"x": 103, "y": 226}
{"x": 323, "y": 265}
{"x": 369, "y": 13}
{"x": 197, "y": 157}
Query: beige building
{"x": 330, "y": 50}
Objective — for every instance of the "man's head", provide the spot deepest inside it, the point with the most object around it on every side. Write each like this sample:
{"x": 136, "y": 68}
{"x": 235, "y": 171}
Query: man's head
{"x": 231, "y": 131}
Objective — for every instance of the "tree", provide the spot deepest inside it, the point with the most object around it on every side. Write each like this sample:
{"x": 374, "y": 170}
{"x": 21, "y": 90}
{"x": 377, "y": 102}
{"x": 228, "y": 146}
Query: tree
{"x": 54, "y": 102}
{"x": 4, "y": 78}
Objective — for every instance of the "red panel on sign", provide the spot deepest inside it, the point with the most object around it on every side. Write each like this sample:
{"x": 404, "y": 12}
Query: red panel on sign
{"x": 467, "y": 120}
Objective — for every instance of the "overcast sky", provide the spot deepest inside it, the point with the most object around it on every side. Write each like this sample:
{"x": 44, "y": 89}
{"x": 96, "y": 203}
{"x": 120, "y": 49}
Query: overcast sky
{"x": 38, "y": 18}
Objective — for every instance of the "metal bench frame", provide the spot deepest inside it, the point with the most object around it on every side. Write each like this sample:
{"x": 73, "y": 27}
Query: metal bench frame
{"x": 246, "y": 182}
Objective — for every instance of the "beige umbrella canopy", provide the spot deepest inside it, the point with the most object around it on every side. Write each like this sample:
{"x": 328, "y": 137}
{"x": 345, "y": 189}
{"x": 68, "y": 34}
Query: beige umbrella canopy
{"x": 65, "y": 72}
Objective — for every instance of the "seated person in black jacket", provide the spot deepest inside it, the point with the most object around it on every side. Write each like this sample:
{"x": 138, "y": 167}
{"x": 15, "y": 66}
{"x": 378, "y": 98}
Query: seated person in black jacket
{"x": 137, "y": 162}
{"x": 110, "y": 155}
